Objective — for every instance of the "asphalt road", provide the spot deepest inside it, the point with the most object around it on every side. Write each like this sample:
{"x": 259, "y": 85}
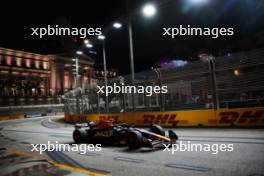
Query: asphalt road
{"x": 247, "y": 158}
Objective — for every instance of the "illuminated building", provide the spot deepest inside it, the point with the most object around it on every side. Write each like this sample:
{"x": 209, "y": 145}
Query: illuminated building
{"x": 26, "y": 75}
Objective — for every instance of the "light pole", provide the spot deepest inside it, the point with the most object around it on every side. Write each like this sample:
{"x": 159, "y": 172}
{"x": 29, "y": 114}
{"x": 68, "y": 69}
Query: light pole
{"x": 76, "y": 60}
{"x": 130, "y": 36}
{"x": 148, "y": 10}
{"x": 77, "y": 72}
{"x": 102, "y": 37}
{"x": 131, "y": 50}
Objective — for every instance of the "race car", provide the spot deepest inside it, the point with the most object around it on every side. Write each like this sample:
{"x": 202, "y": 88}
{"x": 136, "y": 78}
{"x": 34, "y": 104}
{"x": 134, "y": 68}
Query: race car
{"x": 107, "y": 133}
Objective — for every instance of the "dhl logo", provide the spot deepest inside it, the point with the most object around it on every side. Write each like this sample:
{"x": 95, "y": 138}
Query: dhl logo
{"x": 251, "y": 117}
{"x": 148, "y": 119}
{"x": 160, "y": 119}
{"x": 113, "y": 118}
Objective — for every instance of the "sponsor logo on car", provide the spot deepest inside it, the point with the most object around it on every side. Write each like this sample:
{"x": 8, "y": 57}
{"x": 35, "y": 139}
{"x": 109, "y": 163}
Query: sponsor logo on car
{"x": 107, "y": 133}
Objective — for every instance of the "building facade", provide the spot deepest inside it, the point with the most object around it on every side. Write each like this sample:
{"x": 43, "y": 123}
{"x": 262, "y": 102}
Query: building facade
{"x": 26, "y": 75}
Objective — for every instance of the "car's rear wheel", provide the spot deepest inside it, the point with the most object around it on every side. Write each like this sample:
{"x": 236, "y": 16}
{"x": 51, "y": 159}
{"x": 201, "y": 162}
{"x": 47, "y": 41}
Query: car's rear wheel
{"x": 157, "y": 129}
{"x": 134, "y": 139}
{"x": 81, "y": 136}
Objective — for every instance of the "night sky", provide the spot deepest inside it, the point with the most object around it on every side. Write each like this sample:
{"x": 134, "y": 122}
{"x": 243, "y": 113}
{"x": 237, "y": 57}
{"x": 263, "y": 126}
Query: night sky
{"x": 150, "y": 46}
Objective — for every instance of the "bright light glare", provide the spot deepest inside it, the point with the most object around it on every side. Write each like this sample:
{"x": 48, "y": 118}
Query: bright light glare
{"x": 101, "y": 37}
{"x": 117, "y": 25}
{"x": 149, "y": 10}
{"x": 236, "y": 72}
{"x": 79, "y": 52}
{"x": 86, "y": 41}
{"x": 88, "y": 45}
{"x": 197, "y": 2}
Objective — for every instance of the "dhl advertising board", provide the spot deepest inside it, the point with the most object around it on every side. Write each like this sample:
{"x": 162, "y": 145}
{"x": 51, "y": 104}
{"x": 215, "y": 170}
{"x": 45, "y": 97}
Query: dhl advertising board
{"x": 11, "y": 117}
{"x": 224, "y": 117}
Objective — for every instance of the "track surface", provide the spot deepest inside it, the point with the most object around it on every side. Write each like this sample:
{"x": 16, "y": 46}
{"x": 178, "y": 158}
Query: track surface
{"x": 246, "y": 159}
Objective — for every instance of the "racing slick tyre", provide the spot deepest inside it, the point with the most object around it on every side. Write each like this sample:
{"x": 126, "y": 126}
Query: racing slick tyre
{"x": 80, "y": 136}
{"x": 157, "y": 129}
{"x": 134, "y": 140}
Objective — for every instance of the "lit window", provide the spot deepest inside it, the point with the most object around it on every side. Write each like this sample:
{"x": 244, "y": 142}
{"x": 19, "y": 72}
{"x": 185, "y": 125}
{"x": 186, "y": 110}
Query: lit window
{"x": 8, "y": 60}
{"x": 18, "y": 61}
{"x": 45, "y": 65}
{"x": 66, "y": 81}
{"x": 15, "y": 73}
{"x": 37, "y": 64}
{"x": 28, "y": 62}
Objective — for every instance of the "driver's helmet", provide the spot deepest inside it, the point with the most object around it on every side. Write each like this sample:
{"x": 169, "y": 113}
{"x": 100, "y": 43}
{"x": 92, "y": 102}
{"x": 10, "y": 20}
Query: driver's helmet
{"x": 105, "y": 123}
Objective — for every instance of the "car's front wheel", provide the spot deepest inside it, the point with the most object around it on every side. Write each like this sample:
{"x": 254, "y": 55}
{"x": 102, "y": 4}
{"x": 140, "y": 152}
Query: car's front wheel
{"x": 80, "y": 136}
{"x": 134, "y": 140}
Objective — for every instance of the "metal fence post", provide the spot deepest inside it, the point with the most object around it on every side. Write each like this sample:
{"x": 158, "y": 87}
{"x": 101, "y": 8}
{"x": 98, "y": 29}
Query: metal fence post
{"x": 161, "y": 96}
{"x": 211, "y": 63}
{"x": 98, "y": 104}
{"x": 122, "y": 81}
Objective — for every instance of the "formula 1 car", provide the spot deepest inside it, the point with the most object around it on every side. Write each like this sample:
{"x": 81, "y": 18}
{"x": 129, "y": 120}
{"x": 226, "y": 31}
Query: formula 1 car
{"x": 107, "y": 133}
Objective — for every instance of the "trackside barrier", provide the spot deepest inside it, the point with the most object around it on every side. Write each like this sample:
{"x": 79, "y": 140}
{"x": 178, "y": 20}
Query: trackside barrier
{"x": 11, "y": 117}
{"x": 243, "y": 117}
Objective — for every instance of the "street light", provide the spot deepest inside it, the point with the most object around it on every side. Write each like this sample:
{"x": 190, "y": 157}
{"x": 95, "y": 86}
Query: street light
{"x": 79, "y": 52}
{"x": 92, "y": 52}
{"x": 86, "y": 41}
{"x": 117, "y": 25}
{"x": 89, "y": 45}
{"x": 236, "y": 72}
{"x": 149, "y": 10}
{"x": 102, "y": 37}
